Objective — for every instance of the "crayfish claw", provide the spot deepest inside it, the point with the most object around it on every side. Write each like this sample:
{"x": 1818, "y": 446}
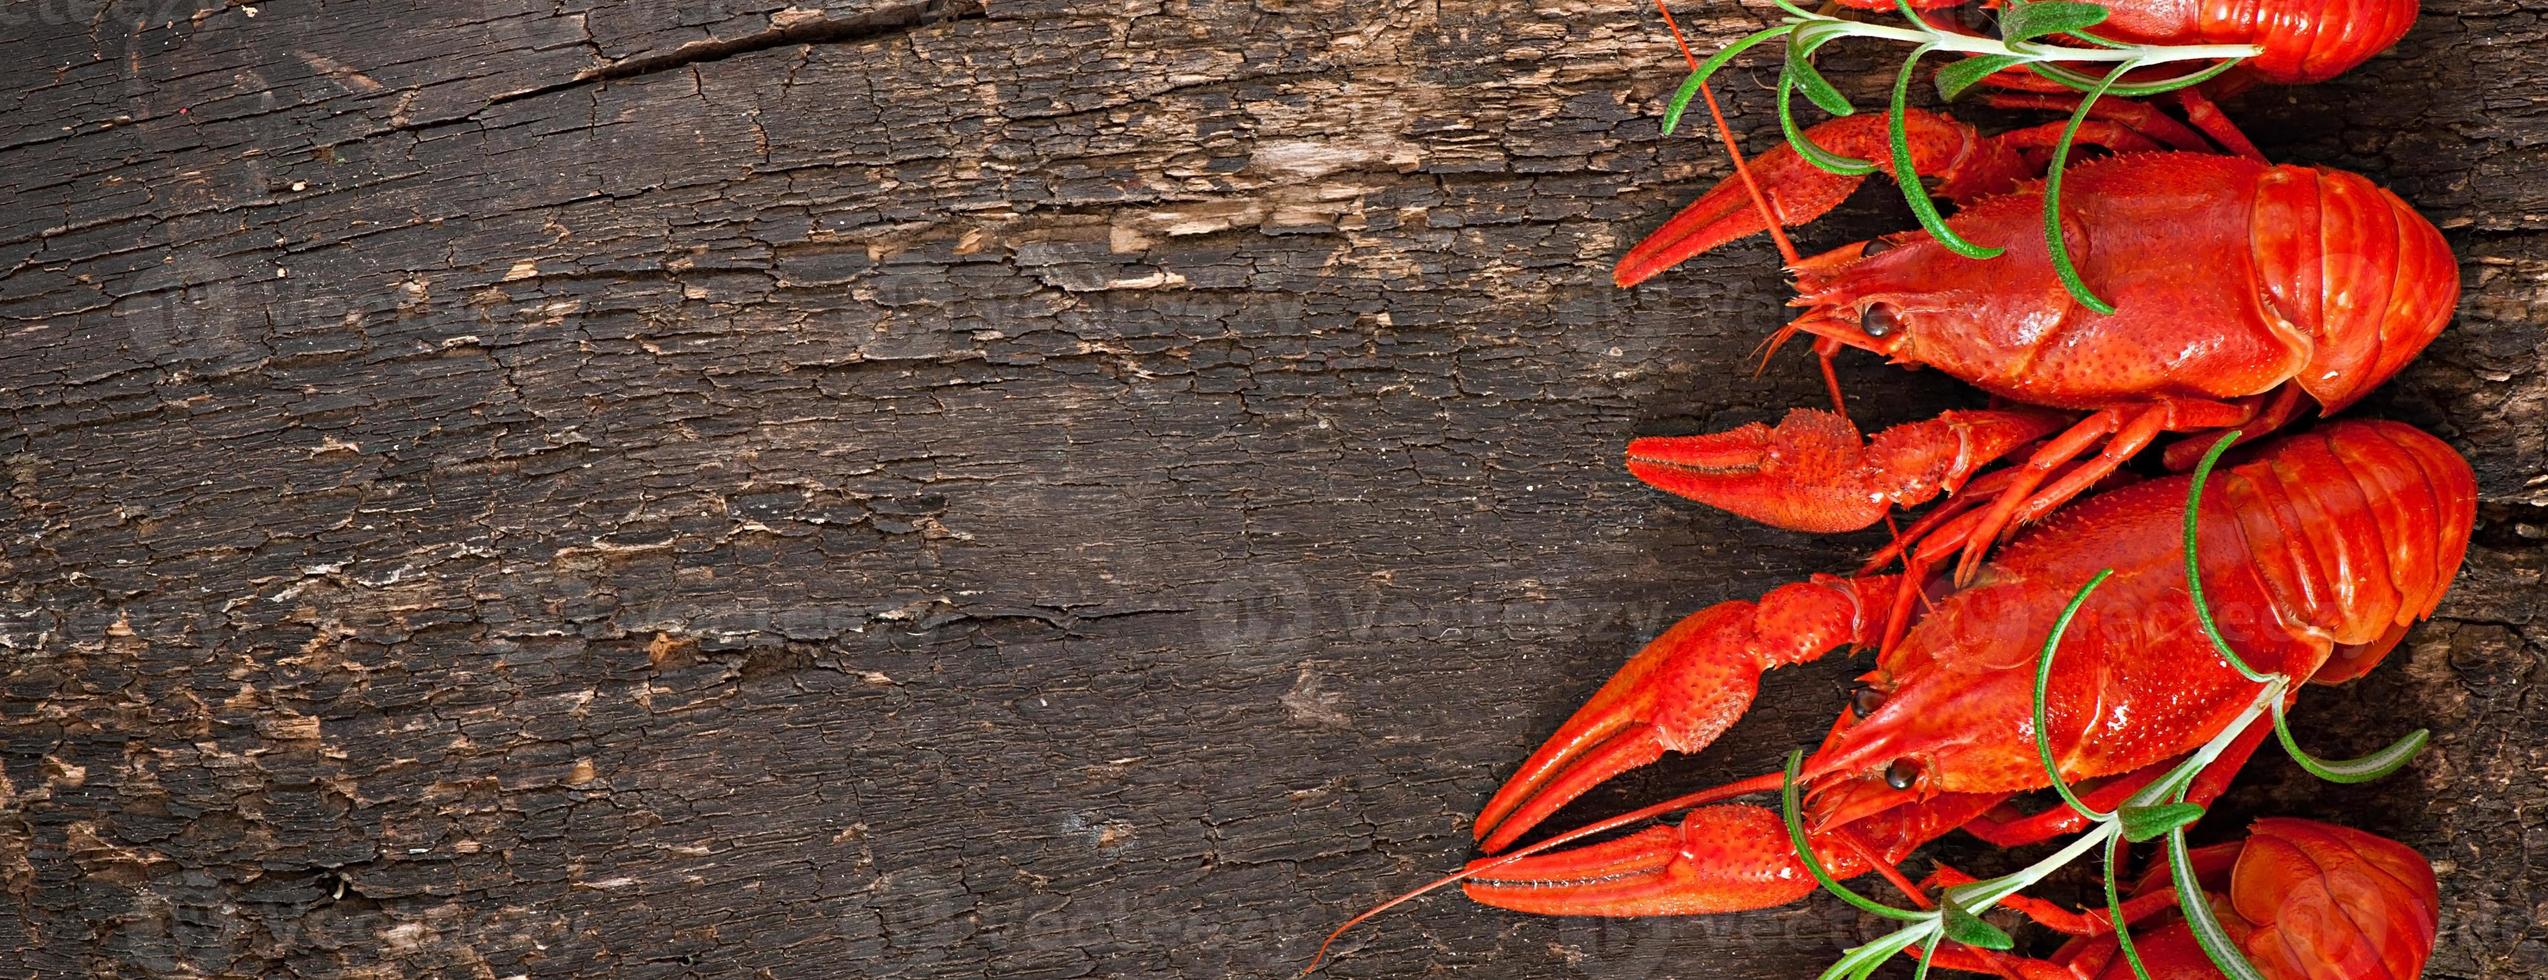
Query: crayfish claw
{"x": 1964, "y": 163}
{"x": 1682, "y": 691}
{"x": 1646, "y": 708}
{"x": 1799, "y": 475}
{"x": 1815, "y": 473}
{"x": 1717, "y": 859}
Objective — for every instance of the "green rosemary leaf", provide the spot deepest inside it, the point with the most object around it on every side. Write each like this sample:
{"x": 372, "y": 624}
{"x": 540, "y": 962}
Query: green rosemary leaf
{"x": 1801, "y": 46}
{"x": 1907, "y": 176}
{"x": 1913, "y": 15}
{"x": 1861, "y": 961}
{"x": 2148, "y": 823}
{"x": 2072, "y": 80}
{"x": 2043, "y": 681}
{"x": 1969, "y": 929}
{"x": 2079, "y": 81}
{"x": 2054, "y": 240}
{"x": 2021, "y": 22}
{"x": 1800, "y": 51}
{"x": 2360, "y": 770}
{"x": 2114, "y": 908}
{"x": 1818, "y": 88}
{"x": 2166, "y": 786}
{"x": 2194, "y": 568}
{"x": 2101, "y": 42}
{"x": 1698, "y": 76}
{"x": 1956, "y": 79}
{"x": 2197, "y": 909}
{"x": 1804, "y": 145}
{"x": 1867, "y": 968}
{"x": 1927, "y": 953}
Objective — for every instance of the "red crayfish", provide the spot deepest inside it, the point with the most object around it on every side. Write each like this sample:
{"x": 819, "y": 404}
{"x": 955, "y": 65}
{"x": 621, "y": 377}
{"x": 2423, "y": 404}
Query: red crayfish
{"x": 2240, "y": 289}
{"x": 2301, "y": 899}
{"x": 2317, "y": 552}
{"x": 2301, "y": 43}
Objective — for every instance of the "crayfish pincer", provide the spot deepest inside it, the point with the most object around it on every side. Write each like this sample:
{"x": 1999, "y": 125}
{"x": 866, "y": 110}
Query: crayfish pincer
{"x": 2316, "y": 554}
{"x": 1954, "y": 160}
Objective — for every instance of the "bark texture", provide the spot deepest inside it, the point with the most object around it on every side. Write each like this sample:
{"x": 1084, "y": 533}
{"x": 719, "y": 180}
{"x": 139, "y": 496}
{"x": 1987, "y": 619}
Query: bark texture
{"x": 911, "y": 489}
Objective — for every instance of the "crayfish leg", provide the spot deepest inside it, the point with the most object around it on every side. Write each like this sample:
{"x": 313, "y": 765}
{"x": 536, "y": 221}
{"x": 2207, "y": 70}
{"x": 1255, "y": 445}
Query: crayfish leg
{"x": 2125, "y": 433}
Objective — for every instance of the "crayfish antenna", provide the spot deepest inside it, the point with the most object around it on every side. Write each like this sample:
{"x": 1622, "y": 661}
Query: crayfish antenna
{"x": 1733, "y": 150}
{"x": 1756, "y": 784}
{"x": 1769, "y": 347}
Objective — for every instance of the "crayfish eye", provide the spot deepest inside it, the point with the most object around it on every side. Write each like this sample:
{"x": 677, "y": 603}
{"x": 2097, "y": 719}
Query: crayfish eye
{"x": 1878, "y": 320}
{"x": 1875, "y": 248}
{"x": 1865, "y": 699}
{"x": 1902, "y": 774}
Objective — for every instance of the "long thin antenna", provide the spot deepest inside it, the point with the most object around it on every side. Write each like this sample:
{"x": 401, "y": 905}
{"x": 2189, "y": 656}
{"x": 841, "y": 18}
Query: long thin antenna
{"x": 1760, "y": 201}
{"x": 1756, "y": 784}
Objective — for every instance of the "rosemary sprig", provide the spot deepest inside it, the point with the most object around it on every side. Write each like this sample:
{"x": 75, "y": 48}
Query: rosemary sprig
{"x": 2022, "y": 26}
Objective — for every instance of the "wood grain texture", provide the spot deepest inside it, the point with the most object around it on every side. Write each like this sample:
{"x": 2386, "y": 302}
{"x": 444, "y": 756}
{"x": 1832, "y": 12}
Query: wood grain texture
{"x": 912, "y": 489}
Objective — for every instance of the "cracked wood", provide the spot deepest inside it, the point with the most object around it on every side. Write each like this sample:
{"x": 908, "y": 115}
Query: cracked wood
{"x": 930, "y": 488}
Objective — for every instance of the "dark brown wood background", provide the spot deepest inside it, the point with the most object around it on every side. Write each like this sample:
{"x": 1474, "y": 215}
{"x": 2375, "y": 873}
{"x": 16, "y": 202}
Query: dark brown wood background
{"x": 548, "y": 487}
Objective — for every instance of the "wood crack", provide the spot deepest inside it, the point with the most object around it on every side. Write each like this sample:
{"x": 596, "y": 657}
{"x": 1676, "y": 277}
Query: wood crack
{"x": 864, "y": 29}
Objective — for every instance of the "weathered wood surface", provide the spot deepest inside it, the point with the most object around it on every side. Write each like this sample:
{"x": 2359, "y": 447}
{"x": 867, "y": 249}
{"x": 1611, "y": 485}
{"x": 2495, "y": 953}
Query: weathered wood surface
{"x": 919, "y": 489}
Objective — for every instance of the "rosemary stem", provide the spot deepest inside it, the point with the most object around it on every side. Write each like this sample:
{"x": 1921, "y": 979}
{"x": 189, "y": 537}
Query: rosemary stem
{"x": 2270, "y": 695}
{"x": 1967, "y": 44}
{"x": 2025, "y": 878}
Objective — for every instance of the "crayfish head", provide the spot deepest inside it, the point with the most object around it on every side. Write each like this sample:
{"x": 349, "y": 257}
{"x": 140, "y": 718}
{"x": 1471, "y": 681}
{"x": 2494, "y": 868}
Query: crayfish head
{"x": 1934, "y": 732}
{"x": 1865, "y": 770}
{"x": 1867, "y": 295}
{"x": 1859, "y": 798}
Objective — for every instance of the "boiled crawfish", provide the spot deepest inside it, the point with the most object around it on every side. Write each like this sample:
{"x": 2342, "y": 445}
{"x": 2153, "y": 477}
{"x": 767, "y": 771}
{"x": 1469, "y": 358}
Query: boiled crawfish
{"x": 2241, "y": 290}
{"x": 2303, "y": 900}
{"x": 2303, "y": 42}
{"x": 2317, "y": 553}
